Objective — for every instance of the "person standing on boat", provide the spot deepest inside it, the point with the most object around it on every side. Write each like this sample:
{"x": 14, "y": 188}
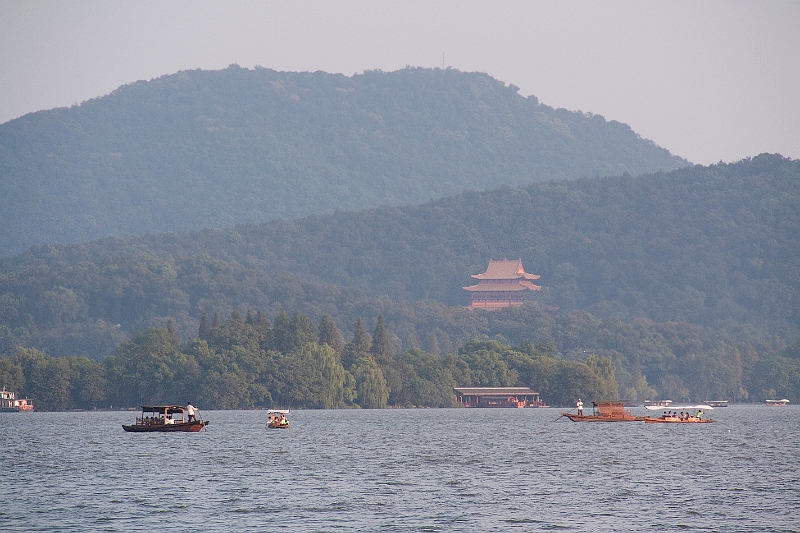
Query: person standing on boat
{"x": 190, "y": 409}
{"x": 579, "y": 405}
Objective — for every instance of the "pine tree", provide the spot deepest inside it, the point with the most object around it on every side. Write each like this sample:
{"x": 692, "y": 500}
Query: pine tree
{"x": 381, "y": 348}
{"x": 205, "y": 327}
{"x": 172, "y": 329}
{"x": 358, "y": 347}
{"x": 282, "y": 332}
{"x": 264, "y": 329}
{"x": 329, "y": 334}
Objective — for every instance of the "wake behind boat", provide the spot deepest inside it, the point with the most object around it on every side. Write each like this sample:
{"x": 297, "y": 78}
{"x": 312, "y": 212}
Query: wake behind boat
{"x": 165, "y": 418}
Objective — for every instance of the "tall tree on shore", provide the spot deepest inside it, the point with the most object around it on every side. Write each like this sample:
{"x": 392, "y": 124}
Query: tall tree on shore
{"x": 381, "y": 348}
{"x": 358, "y": 347}
{"x": 329, "y": 334}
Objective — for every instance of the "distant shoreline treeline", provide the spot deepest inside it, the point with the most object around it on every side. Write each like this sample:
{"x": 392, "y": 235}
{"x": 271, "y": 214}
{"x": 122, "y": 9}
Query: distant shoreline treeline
{"x": 246, "y": 362}
{"x": 249, "y": 362}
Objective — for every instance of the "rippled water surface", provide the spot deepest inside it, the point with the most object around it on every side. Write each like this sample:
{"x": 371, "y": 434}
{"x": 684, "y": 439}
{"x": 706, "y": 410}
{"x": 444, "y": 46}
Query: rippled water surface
{"x": 402, "y": 470}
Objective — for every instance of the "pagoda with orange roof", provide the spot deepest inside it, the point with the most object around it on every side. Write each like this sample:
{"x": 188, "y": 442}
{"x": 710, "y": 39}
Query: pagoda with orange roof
{"x": 504, "y": 284}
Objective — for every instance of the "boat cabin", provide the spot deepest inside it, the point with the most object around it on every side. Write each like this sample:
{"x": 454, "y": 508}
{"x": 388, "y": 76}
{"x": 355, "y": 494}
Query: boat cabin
{"x": 9, "y": 402}
{"x": 612, "y": 410}
{"x": 165, "y": 418}
{"x": 497, "y": 397}
{"x": 161, "y": 415}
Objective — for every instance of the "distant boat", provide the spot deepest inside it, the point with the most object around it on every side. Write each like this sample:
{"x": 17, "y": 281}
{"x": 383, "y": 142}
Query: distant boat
{"x": 676, "y": 419}
{"x": 658, "y": 403}
{"x": 717, "y": 403}
{"x": 673, "y": 407}
{"x": 277, "y": 419}
{"x": 9, "y": 403}
{"x": 778, "y": 402}
{"x": 164, "y": 419}
{"x": 606, "y": 412}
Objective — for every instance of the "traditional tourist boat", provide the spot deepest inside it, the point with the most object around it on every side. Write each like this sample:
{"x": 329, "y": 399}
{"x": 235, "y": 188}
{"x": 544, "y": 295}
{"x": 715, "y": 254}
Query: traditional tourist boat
{"x": 717, "y": 403}
{"x": 277, "y": 419}
{"x": 164, "y": 418}
{"x": 9, "y": 403}
{"x": 673, "y": 418}
{"x": 606, "y": 412}
{"x": 778, "y": 402}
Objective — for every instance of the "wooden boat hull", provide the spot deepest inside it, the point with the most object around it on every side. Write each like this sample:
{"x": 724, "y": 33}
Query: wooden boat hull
{"x": 278, "y": 426}
{"x": 186, "y": 427}
{"x": 598, "y": 418}
{"x": 677, "y": 421}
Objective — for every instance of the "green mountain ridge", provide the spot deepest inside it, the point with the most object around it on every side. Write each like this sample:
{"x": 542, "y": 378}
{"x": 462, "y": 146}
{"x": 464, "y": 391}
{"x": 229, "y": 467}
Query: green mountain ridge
{"x": 206, "y": 149}
{"x": 687, "y": 279}
{"x": 714, "y": 246}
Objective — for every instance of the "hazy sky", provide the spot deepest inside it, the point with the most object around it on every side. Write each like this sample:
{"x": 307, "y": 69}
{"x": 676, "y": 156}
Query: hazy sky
{"x": 709, "y": 81}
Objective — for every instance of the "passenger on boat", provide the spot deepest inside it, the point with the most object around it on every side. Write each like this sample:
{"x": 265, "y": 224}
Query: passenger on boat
{"x": 169, "y": 420}
{"x": 579, "y": 405}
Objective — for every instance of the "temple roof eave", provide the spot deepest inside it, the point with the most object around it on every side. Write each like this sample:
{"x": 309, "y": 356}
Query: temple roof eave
{"x": 523, "y": 275}
{"x": 505, "y": 287}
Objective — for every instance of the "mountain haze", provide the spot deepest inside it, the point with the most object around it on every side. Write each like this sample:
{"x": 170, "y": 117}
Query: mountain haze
{"x": 203, "y": 149}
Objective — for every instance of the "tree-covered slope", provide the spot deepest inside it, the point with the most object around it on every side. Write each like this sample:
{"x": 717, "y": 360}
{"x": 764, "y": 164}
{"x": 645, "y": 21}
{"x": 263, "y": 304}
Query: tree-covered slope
{"x": 718, "y": 247}
{"x": 204, "y": 149}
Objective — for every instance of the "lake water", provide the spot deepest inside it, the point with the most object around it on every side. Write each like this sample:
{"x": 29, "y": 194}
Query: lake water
{"x": 402, "y": 470}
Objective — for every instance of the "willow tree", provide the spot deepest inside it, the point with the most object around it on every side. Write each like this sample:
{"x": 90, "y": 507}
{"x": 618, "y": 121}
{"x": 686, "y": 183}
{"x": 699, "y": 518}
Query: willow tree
{"x": 373, "y": 393}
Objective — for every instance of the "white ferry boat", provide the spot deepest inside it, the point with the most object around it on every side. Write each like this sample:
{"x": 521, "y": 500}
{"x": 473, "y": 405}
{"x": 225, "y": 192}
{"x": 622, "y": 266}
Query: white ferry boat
{"x": 782, "y": 402}
{"x": 9, "y": 403}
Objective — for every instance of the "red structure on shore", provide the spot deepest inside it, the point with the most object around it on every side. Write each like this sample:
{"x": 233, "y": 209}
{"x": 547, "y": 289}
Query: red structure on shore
{"x": 504, "y": 284}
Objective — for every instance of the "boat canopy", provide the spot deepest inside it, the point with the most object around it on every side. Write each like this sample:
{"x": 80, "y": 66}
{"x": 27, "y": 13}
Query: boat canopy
{"x": 278, "y": 411}
{"x": 675, "y": 407}
{"x": 169, "y": 409}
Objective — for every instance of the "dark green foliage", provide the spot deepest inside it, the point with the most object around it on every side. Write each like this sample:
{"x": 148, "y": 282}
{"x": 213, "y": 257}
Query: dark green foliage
{"x": 238, "y": 373}
{"x": 686, "y": 280}
{"x": 381, "y": 348}
{"x": 202, "y": 149}
{"x": 358, "y": 347}
{"x": 329, "y": 334}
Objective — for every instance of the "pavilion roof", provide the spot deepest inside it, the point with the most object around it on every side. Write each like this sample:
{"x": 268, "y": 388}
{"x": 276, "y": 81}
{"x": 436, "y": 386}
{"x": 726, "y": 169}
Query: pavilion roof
{"x": 505, "y": 269}
{"x": 493, "y": 391}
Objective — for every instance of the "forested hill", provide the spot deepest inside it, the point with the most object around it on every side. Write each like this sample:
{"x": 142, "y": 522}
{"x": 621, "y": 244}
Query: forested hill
{"x": 203, "y": 149}
{"x": 717, "y": 247}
